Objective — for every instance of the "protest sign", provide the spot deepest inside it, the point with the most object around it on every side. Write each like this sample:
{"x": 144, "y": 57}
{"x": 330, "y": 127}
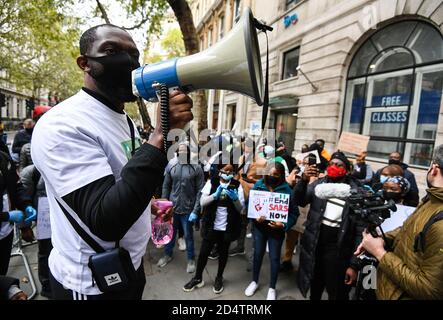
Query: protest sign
{"x": 274, "y": 206}
{"x": 352, "y": 142}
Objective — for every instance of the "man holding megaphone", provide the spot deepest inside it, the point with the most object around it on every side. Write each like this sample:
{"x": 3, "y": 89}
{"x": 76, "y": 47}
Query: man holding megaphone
{"x": 99, "y": 179}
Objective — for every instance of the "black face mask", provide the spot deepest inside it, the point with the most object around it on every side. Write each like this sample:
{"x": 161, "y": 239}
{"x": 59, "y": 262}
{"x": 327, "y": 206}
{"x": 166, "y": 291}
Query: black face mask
{"x": 114, "y": 75}
{"x": 396, "y": 196}
{"x": 272, "y": 181}
{"x": 29, "y": 130}
{"x": 393, "y": 161}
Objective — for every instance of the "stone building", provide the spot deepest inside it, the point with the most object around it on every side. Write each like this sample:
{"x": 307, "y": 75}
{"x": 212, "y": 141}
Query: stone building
{"x": 364, "y": 66}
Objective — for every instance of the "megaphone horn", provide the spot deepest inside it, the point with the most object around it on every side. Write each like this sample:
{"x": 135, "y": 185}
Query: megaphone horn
{"x": 233, "y": 64}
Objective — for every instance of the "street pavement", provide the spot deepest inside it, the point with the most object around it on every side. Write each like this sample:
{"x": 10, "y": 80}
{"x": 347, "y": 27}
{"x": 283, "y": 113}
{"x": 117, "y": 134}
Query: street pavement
{"x": 166, "y": 283}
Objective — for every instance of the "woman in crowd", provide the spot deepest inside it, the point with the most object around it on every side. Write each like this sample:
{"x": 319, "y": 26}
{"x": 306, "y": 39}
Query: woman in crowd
{"x": 393, "y": 170}
{"x": 222, "y": 199}
{"x": 270, "y": 232}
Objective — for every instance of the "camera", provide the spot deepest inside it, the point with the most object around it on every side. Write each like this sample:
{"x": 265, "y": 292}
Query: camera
{"x": 370, "y": 208}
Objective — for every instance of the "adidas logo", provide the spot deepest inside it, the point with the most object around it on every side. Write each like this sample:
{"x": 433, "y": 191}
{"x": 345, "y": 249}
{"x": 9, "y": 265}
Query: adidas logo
{"x": 112, "y": 279}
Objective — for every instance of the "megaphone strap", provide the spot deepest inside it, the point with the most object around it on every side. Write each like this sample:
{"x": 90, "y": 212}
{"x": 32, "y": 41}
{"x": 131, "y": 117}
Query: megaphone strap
{"x": 266, "y": 95}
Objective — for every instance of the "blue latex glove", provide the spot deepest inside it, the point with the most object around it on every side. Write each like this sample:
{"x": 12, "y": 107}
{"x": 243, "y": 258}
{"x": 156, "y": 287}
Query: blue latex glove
{"x": 233, "y": 194}
{"x": 218, "y": 192}
{"x": 16, "y": 216}
{"x": 193, "y": 217}
{"x": 31, "y": 215}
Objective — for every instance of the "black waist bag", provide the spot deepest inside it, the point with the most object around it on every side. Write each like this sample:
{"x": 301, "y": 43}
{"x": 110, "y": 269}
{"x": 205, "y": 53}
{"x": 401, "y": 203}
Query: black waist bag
{"x": 112, "y": 270}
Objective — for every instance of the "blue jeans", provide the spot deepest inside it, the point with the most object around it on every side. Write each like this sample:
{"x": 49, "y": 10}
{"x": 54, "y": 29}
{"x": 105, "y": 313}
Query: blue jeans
{"x": 275, "y": 244}
{"x": 189, "y": 238}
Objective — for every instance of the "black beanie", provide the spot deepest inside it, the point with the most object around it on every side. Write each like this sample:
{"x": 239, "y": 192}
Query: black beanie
{"x": 341, "y": 156}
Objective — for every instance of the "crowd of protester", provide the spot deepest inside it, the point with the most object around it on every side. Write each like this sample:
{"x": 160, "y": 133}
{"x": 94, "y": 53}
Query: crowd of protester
{"x": 213, "y": 198}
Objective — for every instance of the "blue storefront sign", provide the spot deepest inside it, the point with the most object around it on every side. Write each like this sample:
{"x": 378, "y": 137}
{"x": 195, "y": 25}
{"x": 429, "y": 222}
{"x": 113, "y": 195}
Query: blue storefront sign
{"x": 288, "y": 20}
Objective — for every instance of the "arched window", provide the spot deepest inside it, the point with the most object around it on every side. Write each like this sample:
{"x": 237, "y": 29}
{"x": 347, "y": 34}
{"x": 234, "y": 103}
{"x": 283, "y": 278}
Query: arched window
{"x": 394, "y": 91}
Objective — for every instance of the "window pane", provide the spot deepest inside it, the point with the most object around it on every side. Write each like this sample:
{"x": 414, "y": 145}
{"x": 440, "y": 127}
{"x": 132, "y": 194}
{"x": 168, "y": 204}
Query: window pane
{"x": 393, "y": 91}
{"x": 393, "y": 35}
{"x": 357, "y": 109}
{"x": 426, "y": 43}
{"x": 388, "y": 123}
{"x": 290, "y": 63}
{"x": 382, "y": 149}
{"x": 361, "y": 60}
{"x": 291, "y": 3}
{"x": 421, "y": 154}
{"x": 430, "y": 99}
{"x": 392, "y": 59}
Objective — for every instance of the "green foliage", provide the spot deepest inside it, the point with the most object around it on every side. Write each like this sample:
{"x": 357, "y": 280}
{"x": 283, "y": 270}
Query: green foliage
{"x": 173, "y": 43}
{"x": 39, "y": 46}
{"x": 132, "y": 110}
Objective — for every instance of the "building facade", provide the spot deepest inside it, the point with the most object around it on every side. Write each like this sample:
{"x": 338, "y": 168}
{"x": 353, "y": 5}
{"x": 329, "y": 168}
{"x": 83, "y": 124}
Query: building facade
{"x": 17, "y": 105}
{"x": 364, "y": 66}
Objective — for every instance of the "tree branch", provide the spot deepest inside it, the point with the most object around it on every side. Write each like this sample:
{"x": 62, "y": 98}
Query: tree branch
{"x": 102, "y": 10}
{"x": 138, "y": 25}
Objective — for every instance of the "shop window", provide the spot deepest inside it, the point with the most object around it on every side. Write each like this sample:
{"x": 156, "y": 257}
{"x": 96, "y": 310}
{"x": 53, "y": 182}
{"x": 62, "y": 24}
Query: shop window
{"x": 394, "y": 91}
{"x": 236, "y": 11}
{"x": 290, "y": 63}
{"x": 291, "y": 3}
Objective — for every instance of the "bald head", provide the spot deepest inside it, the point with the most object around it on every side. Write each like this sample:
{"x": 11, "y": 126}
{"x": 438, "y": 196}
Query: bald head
{"x": 28, "y": 124}
{"x": 392, "y": 171}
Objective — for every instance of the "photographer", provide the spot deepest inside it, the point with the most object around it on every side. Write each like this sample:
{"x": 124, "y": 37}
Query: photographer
{"x": 414, "y": 267}
{"x": 330, "y": 236}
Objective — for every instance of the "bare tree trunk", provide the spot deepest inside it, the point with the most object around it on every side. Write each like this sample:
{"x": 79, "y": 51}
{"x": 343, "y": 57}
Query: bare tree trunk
{"x": 184, "y": 17}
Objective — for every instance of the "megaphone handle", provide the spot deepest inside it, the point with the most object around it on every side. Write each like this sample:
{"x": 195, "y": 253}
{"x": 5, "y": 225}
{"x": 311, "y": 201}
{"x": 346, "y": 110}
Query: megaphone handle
{"x": 164, "y": 113}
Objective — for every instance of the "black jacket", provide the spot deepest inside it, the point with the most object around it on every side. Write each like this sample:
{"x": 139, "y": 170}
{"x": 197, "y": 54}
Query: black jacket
{"x": 21, "y": 138}
{"x": 234, "y": 220}
{"x": 350, "y": 234}
{"x": 5, "y": 284}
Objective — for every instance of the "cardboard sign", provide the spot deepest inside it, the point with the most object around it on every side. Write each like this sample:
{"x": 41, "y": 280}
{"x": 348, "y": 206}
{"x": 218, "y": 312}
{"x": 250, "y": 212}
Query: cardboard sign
{"x": 301, "y": 156}
{"x": 353, "y": 143}
{"x": 43, "y": 222}
{"x": 274, "y": 206}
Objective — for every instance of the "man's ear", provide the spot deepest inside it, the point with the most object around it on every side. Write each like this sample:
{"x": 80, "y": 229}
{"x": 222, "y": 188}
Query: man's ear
{"x": 82, "y": 62}
{"x": 436, "y": 170}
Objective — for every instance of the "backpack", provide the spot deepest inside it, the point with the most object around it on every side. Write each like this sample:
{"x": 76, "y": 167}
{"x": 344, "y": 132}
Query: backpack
{"x": 420, "y": 239}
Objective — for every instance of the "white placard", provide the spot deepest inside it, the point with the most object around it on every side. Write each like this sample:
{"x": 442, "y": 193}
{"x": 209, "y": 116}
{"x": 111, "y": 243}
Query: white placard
{"x": 274, "y": 206}
{"x": 43, "y": 222}
{"x": 397, "y": 218}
